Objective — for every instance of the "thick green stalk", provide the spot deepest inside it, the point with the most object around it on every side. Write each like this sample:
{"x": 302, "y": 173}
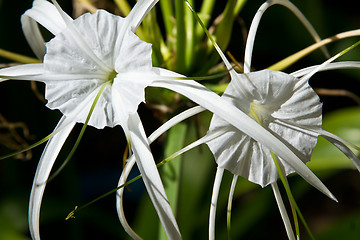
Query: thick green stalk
{"x": 206, "y": 10}
{"x": 180, "y": 36}
{"x": 190, "y": 38}
{"x": 168, "y": 17}
{"x": 153, "y": 35}
{"x": 124, "y": 6}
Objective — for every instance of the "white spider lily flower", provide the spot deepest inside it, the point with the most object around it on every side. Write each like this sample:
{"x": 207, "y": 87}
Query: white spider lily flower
{"x": 286, "y": 107}
{"x": 290, "y": 110}
{"x": 283, "y": 104}
{"x": 270, "y": 98}
{"x": 93, "y": 54}
{"x": 86, "y": 59}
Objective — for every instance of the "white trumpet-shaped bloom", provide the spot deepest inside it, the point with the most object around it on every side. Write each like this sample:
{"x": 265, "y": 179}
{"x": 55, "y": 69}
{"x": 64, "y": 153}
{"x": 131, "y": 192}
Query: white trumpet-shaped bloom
{"x": 97, "y": 59}
{"x": 94, "y": 59}
{"x": 287, "y": 107}
{"x": 271, "y": 98}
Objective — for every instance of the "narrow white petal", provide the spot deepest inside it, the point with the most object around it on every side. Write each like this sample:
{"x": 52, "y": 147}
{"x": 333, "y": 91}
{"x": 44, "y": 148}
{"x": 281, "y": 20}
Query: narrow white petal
{"x": 131, "y": 161}
{"x": 341, "y": 145}
{"x": 138, "y": 12}
{"x": 45, "y": 165}
{"x": 219, "y": 106}
{"x": 120, "y": 195}
{"x": 338, "y": 142}
{"x": 175, "y": 120}
{"x": 151, "y": 177}
{"x": 132, "y": 21}
{"x": 214, "y": 199}
{"x": 283, "y": 212}
{"x": 44, "y": 13}
{"x": 255, "y": 23}
{"x": 36, "y": 72}
{"x": 22, "y": 72}
{"x": 231, "y": 197}
{"x": 331, "y": 66}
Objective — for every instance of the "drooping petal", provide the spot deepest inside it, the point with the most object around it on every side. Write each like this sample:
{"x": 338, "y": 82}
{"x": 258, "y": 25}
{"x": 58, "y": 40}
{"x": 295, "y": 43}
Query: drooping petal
{"x": 283, "y": 212}
{"x": 255, "y": 23}
{"x": 214, "y": 199}
{"x": 341, "y": 144}
{"x": 45, "y": 165}
{"x": 151, "y": 177}
{"x": 131, "y": 161}
{"x": 219, "y": 106}
{"x": 120, "y": 195}
{"x": 231, "y": 197}
{"x": 44, "y": 13}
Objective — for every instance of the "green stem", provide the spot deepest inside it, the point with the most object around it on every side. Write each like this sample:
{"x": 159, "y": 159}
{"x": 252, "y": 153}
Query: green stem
{"x": 205, "y": 12}
{"x": 168, "y": 17}
{"x": 18, "y": 57}
{"x": 180, "y": 36}
{"x": 124, "y": 6}
{"x": 290, "y": 196}
{"x": 81, "y": 133}
{"x": 190, "y": 39}
{"x": 160, "y": 164}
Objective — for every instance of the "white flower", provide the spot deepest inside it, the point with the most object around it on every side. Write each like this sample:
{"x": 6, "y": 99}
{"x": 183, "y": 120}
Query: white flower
{"x": 94, "y": 56}
{"x": 272, "y": 99}
{"x": 286, "y": 106}
{"x": 86, "y": 61}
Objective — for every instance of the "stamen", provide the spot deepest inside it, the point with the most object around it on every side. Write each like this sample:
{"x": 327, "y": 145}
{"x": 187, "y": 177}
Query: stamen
{"x": 111, "y": 76}
{"x": 254, "y": 110}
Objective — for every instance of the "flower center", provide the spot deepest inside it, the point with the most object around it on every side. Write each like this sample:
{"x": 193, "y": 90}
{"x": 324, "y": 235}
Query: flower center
{"x": 258, "y": 112}
{"x": 111, "y": 76}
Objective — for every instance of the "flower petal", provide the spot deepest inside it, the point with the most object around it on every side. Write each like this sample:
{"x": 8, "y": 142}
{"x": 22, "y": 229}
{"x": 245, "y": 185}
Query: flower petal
{"x": 282, "y": 210}
{"x": 138, "y": 12}
{"x": 151, "y": 177}
{"x": 341, "y": 145}
{"x": 219, "y": 106}
{"x": 119, "y": 198}
{"x": 46, "y": 162}
{"x": 230, "y": 199}
{"x": 80, "y": 39}
{"x": 131, "y": 161}
{"x": 44, "y": 13}
{"x": 255, "y": 23}
{"x": 22, "y": 72}
{"x": 214, "y": 199}
{"x": 331, "y": 66}
{"x": 81, "y": 93}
